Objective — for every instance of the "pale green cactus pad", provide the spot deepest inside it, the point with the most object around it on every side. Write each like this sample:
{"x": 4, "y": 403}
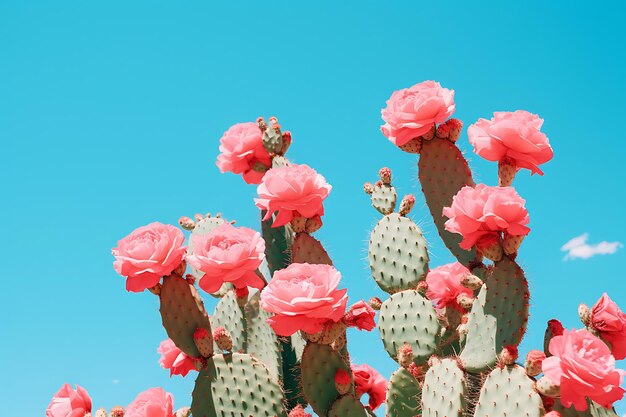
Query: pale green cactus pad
{"x": 403, "y": 395}
{"x": 236, "y": 385}
{"x": 443, "y": 393}
{"x": 384, "y": 198}
{"x": 262, "y": 342}
{"x": 182, "y": 311}
{"x": 594, "y": 410}
{"x": 407, "y": 317}
{"x": 280, "y": 161}
{"x": 230, "y": 316}
{"x": 272, "y": 140}
{"x": 347, "y": 406}
{"x": 278, "y": 241}
{"x": 397, "y": 254}
{"x": 508, "y": 392}
{"x": 307, "y": 249}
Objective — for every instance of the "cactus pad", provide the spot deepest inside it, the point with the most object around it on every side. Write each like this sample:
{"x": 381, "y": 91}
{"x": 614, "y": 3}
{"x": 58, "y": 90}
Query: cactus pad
{"x": 384, "y": 198}
{"x": 278, "y": 242}
{"x": 272, "y": 140}
{"x": 347, "y": 406}
{"x": 403, "y": 395}
{"x": 307, "y": 249}
{"x": 508, "y": 392}
{"x": 443, "y": 393}
{"x": 230, "y": 316}
{"x": 407, "y": 317}
{"x": 397, "y": 254}
{"x": 262, "y": 342}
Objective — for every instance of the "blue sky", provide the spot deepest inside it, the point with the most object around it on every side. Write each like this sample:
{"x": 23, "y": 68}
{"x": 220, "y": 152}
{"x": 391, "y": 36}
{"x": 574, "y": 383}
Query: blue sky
{"x": 111, "y": 112}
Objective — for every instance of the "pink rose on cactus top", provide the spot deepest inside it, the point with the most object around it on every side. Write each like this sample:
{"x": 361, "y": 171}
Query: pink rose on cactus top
{"x": 368, "y": 381}
{"x": 482, "y": 212}
{"x": 174, "y": 359}
{"x": 241, "y": 148}
{"x": 228, "y": 254}
{"x": 610, "y": 322}
{"x": 68, "y": 402}
{"x": 444, "y": 285}
{"x": 413, "y": 111}
{"x": 582, "y": 365}
{"x": 147, "y": 254}
{"x": 304, "y": 297}
{"x": 513, "y": 136}
{"x": 361, "y": 316}
{"x": 292, "y": 190}
{"x": 154, "y": 402}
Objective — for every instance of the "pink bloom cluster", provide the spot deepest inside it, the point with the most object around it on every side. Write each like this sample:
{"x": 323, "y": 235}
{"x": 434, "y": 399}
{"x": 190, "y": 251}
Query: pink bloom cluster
{"x": 241, "y": 149}
{"x": 68, "y": 402}
{"x": 361, "y": 316}
{"x": 444, "y": 285}
{"x": 368, "y": 381}
{"x": 174, "y": 359}
{"x": 154, "y": 402}
{"x": 610, "y": 322}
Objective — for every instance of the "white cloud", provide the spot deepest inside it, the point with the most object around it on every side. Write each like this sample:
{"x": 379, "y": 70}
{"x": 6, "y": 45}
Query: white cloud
{"x": 579, "y": 248}
{"x": 116, "y": 381}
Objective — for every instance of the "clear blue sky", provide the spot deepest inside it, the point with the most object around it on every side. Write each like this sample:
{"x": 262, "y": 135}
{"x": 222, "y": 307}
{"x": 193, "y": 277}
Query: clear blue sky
{"x": 110, "y": 115}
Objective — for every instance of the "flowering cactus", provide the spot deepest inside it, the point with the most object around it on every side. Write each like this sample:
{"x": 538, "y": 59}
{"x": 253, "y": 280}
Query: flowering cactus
{"x": 276, "y": 343}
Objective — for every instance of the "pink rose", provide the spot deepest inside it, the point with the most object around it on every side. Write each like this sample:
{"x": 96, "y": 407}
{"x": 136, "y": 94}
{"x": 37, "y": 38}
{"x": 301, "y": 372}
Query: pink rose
{"x": 368, "y": 381}
{"x": 610, "y": 322}
{"x": 69, "y": 403}
{"x": 513, "y": 136}
{"x": 174, "y": 359}
{"x": 147, "y": 254}
{"x": 444, "y": 285}
{"x": 228, "y": 254}
{"x": 304, "y": 297}
{"x": 241, "y": 148}
{"x": 154, "y": 402}
{"x": 292, "y": 190}
{"x": 582, "y": 365}
{"x": 412, "y": 112}
{"x": 484, "y": 212}
{"x": 361, "y": 316}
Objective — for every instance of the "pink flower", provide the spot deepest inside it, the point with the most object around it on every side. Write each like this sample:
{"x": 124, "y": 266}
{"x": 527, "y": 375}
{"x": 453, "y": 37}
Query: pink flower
{"x": 147, "y": 254}
{"x": 304, "y": 297}
{"x": 444, "y": 285}
{"x": 412, "y": 112}
{"x": 368, "y": 381}
{"x": 154, "y": 402}
{"x": 228, "y": 254}
{"x": 242, "y": 148}
{"x": 484, "y": 212}
{"x": 583, "y": 366}
{"x": 292, "y": 190}
{"x": 610, "y": 322}
{"x": 174, "y": 359}
{"x": 361, "y": 316}
{"x": 69, "y": 403}
{"x": 513, "y": 136}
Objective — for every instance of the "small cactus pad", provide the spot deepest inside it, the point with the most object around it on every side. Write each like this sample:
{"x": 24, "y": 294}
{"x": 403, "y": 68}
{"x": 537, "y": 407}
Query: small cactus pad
{"x": 262, "y": 342}
{"x": 443, "y": 393}
{"x": 280, "y": 161}
{"x": 347, "y": 406}
{"x": 594, "y": 410}
{"x": 272, "y": 140}
{"x": 298, "y": 343}
{"x": 397, "y": 254}
{"x": 403, "y": 395}
{"x": 443, "y": 171}
{"x": 278, "y": 241}
{"x": 307, "y": 249}
{"x": 230, "y": 316}
{"x": 508, "y": 392}
{"x": 384, "y": 198}
{"x": 498, "y": 317}
{"x": 407, "y": 317}
{"x": 319, "y": 366}
{"x": 236, "y": 385}
{"x": 182, "y": 311}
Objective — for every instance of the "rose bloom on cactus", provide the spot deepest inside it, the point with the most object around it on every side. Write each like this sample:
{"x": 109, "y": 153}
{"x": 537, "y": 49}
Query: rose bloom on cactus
{"x": 412, "y": 112}
{"x": 292, "y": 190}
{"x": 174, "y": 359}
{"x": 241, "y": 148}
{"x": 304, "y": 297}
{"x": 228, "y": 254}
{"x": 154, "y": 402}
{"x": 610, "y": 322}
{"x": 582, "y": 365}
{"x": 444, "y": 285}
{"x": 147, "y": 254}
{"x": 68, "y": 402}
{"x": 368, "y": 381}
{"x": 361, "y": 316}
{"x": 483, "y": 212}
{"x": 513, "y": 136}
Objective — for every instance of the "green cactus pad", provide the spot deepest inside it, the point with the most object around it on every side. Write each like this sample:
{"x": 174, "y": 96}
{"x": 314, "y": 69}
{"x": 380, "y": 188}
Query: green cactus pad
{"x": 594, "y": 410}
{"x": 384, "y": 198}
{"x": 403, "y": 395}
{"x": 347, "y": 406}
{"x": 508, "y": 392}
{"x": 498, "y": 317}
{"x": 278, "y": 241}
{"x": 280, "y": 161}
{"x": 599, "y": 411}
{"x": 443, "y": 393}
{"x": 398, "y": 254}
{"x": 298, "y": 343}
{"x": 262, "y": 342}
{"x": 307, "y": 249}
{"x": 230, "y": 316}
{"x": 319, "y": 366}
{"x": 272, "y": 140}
{"x": 407, "y": 317}
{"x": 182, "y": 311}
{"x": 443, "y": 171}
{"x": 236, "y": 385}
